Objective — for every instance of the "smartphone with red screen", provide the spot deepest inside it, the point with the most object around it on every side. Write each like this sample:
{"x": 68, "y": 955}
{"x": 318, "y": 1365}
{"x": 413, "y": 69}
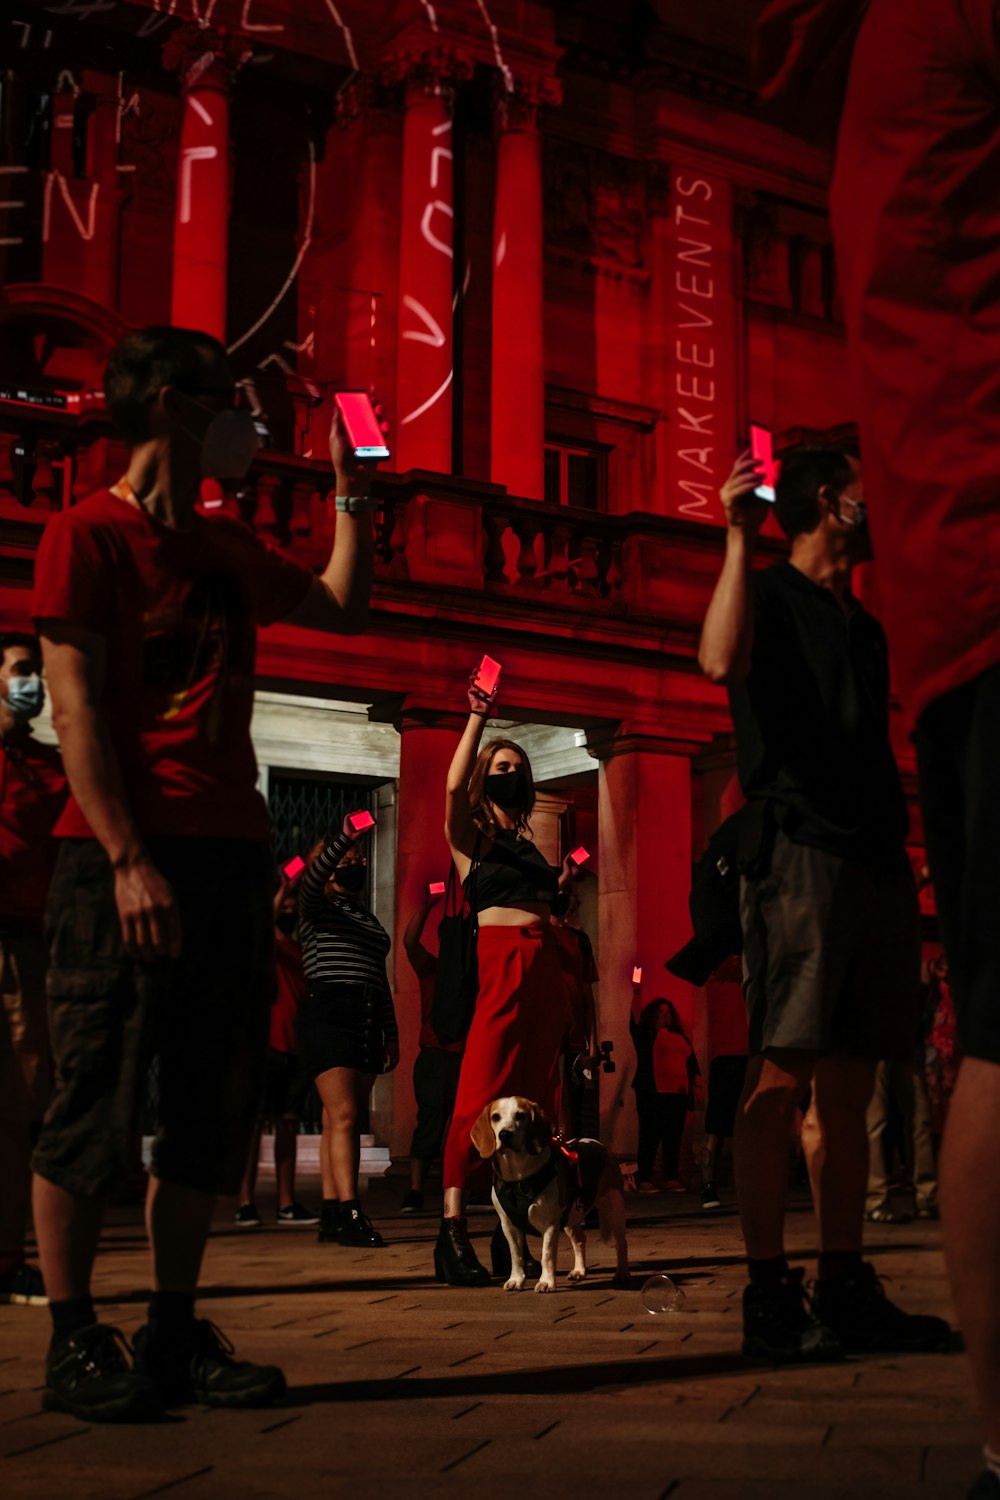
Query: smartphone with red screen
{"x": 579, "y": 856}
{"x": 487, "y": 675}
{"x": 294, "y": 868}
{"x": 436, "y": 888}
{"x": 762, "y": 448}
{"x": 361, "y": 423}
{"x": 637, "y": 975}
{"x": 361, "y": 821}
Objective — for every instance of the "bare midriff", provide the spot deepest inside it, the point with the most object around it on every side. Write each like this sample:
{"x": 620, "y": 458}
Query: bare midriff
{"x": 531, "y": 914}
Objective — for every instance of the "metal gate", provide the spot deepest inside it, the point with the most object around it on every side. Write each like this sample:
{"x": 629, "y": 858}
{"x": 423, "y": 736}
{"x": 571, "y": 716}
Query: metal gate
{"x": 305, "y": 809}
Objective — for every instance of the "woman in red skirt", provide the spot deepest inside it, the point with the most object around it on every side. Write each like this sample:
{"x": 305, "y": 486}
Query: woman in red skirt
{"x": 522, "y": 1009}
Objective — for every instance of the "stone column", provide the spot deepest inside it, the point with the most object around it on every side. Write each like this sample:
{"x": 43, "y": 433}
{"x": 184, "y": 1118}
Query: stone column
{"x": 367, "y": 113}
{"x": 644, "y": 822}
{"x": 518, "y": 350}
{"x": 428, "y": 70}
{"x": 207, "y": 60}
{"x": 428, "y": 737}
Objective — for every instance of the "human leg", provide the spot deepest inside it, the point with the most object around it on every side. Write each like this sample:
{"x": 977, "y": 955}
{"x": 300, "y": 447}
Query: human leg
{"x": 211, "y": 1039}
{"x": 286, "y": 1140}
{"x": 774, "y": 1086}
{"x": 344, "y": 1092}
{"x": 249, "y": 1184}
{"x": 971, "y": 1219}
{"x": 648, "y": 1114}
{"x": 673, "y": 1116}
{"x": 925, "y": 1172}
{"x": 24, "y": 1087}
{"x": 877, "y": 1193}
{"x": 708, "y": 1159}
{"x": 339, "y": 1089}
{"x": 849, "y": 1296}
{"x": 841, "y": 1090}
{"x": 958, "y": 742}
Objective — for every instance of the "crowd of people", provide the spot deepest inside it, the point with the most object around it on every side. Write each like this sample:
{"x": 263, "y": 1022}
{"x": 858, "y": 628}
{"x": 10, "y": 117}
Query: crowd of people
{"x": 153, "y": 844}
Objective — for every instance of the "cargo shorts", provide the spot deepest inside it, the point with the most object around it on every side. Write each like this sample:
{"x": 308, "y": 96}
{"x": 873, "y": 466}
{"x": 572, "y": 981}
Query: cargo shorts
{"x": 203, "y": 1017}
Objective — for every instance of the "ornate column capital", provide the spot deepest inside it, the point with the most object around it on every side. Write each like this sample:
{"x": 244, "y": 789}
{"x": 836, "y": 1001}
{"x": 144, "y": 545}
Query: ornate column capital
{"x": 426, "y": 67}
{"x": 520, "y": 98}
{"x": 206, "y": 55}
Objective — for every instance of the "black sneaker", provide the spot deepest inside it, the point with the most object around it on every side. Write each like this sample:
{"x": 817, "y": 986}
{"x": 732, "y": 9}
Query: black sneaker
{"x": 866, "y": 1322}
{"x": 779, "y": 1324}
{"x": 202, "y": 1369}
{"x": 88, "y": 1375}
{"x": 358, "y": 1230}
{"x": 296, "y": 1213}
{"x": 23, "y": 1287}
{"x": 986, "y": 1487}
{"x": 413, "y": 1203}
{"x": 247, "y": 1216}
{"x": 709, "y": 1196}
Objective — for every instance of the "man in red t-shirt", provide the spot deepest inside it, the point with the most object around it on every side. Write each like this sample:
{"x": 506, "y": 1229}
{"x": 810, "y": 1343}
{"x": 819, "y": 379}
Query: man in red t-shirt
{"x": 160, "y": 907}
{"x": 436, "y": 1070}
{"x": 32, "y": 795}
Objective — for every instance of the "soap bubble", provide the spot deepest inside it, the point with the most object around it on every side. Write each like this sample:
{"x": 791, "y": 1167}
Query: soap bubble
{"x": 661, "y": 1295}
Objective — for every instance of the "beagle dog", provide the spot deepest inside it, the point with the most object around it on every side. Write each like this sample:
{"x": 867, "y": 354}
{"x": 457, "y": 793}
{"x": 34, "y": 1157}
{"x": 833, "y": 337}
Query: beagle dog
{"x": 542, "y": 1184}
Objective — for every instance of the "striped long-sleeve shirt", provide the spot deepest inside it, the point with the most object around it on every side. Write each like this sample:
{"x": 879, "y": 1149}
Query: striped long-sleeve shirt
{"x": 342, "y": 942}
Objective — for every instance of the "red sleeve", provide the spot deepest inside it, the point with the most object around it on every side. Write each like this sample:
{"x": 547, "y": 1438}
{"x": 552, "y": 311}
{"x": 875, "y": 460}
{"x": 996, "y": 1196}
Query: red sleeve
{"x": 276, "y": 583}
{"x": 72, "y": 577}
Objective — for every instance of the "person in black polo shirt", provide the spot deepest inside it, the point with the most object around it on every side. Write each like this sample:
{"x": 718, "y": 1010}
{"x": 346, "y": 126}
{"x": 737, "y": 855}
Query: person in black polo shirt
{"x": 828, "y": 903}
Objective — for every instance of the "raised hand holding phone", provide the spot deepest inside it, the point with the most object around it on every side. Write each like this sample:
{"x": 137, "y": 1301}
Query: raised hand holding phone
{"x": 435, "y": 889}
{"x": 356, "y": 824}
{"x": 762, "y": 449}
{"x": 579, "y": 856}
{"x": 293, "y": 869}
{"x": 361, "y": 425}
{"x": 484, "y": 684}
{"x": 745, "y": 511}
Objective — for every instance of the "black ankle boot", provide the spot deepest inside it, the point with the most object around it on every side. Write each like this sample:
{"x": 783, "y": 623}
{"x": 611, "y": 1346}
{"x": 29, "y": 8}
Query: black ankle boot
{"x": 330, "y": 1222}
{"x": 454, "y": 1258}
{"x": 500, "y": 1256}
{"x": 357, "y": 1229}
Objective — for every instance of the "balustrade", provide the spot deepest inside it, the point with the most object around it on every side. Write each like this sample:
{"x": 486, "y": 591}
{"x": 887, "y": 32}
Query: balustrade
{"x": 432, "y": 531}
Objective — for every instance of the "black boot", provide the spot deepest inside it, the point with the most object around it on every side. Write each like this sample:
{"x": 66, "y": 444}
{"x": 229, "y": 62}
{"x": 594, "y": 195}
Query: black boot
{"x": 454, "y": 1258}
{"x": 357, "y": 1229}
{"x": 500, "y": 1256}
{"x": 330, "y": 1223}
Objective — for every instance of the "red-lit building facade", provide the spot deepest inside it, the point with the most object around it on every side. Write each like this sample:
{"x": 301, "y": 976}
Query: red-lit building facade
{"x": 558, "y": 244}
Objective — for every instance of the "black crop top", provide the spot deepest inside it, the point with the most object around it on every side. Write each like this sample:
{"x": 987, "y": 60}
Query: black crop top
{"x": 515, "y": 871}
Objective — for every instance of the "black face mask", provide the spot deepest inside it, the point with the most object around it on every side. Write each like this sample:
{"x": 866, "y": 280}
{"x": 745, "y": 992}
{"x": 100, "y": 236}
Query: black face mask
{"x": 285, "y": 921}
{"x": 507, "y": 789}
{"x": 350, "y": 878}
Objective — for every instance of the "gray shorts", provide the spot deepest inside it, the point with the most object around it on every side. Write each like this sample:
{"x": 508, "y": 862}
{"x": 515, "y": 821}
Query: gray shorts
{"x": 831, "y": 956}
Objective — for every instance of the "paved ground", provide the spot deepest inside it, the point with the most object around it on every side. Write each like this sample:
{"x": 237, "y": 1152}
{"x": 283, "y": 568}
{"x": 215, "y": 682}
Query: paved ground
{"x": 400, "y": 1387}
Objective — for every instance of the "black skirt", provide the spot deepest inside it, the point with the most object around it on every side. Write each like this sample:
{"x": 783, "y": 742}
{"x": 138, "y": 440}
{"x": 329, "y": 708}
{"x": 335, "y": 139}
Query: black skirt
{"x": 340, "y": 1026}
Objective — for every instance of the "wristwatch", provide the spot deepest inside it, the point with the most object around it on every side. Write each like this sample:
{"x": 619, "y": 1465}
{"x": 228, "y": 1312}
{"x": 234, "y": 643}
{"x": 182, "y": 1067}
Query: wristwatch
{"x": 356, "y": 505}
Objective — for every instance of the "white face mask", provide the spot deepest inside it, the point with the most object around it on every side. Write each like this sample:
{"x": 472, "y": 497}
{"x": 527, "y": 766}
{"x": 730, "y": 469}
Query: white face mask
{"x": 859, "y": 513}
{"x": 228, "y": 445}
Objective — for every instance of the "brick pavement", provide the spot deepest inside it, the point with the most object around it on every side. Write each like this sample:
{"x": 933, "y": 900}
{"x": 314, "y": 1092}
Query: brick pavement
{"x": 400, "y": 1387}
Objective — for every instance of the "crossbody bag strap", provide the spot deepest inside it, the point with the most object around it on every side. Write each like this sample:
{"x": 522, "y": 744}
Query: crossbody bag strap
{"x": 472, "y": 890}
